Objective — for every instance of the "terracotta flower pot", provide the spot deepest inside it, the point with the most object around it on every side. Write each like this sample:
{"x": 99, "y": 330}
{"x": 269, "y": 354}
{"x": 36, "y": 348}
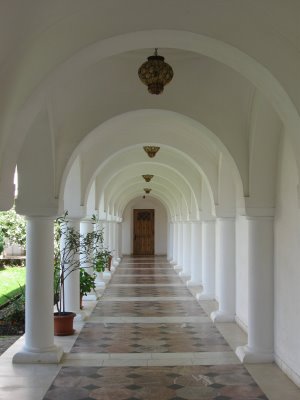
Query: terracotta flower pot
{"x": 63, "y": 323}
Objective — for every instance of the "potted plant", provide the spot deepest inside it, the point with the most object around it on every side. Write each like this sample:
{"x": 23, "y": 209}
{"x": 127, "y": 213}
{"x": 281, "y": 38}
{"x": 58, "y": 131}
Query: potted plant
{"x": 87, "y": 284}
{"x": 103, "y": 260}
{"x": 66, "y": 261}
{"x": 102, "y": 256}
{"x": 77, "y": 250}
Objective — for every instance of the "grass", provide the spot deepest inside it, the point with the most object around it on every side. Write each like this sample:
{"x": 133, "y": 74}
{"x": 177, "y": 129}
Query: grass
{"x": 11, "y": 278}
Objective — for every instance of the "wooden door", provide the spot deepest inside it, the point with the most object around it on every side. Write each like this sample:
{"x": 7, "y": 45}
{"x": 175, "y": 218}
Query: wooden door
{"x": 143, "y": 232}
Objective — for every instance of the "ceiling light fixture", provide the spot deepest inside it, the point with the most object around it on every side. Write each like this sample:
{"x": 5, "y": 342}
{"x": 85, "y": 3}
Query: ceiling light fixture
{"x": 155, "y": 73}
{"x": 147, "y": 190}
{"x": 151, "y": 150}
{"x": 147, "y": 177}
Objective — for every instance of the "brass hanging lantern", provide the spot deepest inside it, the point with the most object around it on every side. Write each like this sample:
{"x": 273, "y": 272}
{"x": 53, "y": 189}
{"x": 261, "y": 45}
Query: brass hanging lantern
{"x": 155, "y": 73}
{"x": 147, "y": 190}
{"x": 151, "y": 150}
{"x": 147, "y": 177}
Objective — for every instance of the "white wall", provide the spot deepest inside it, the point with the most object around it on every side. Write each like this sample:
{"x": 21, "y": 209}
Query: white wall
{"x": 161, "y": 225}
{"x": 287, "y": 267}
{"x": 242, "y": 272}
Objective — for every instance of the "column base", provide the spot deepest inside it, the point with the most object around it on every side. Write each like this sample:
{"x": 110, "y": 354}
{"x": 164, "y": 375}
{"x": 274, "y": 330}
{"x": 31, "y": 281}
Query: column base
{"x": 99, "y": 292}
{"x": 204, "y": 296}
{"x": 115, "y": 263}
{"x": 173, "y": 262}
{"x": 184, "y": 275}
{"x": 177, "y": 267}
{"x": 192, "y": 283}
{"x": 107, "y": 275}
{"x": 89, "y": 297}
{"x": 221, "y": 316}
{"x": 52, "y": 356}
{"x": 80, "y": 316}
{"x": 100, "y": 285}
{"x": 118, "y": 259}
{"x": 249, "y": 356}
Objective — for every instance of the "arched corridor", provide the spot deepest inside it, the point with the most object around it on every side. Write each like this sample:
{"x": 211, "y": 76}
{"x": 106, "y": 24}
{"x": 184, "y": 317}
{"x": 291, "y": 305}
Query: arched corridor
{"x": 222, "y": 206}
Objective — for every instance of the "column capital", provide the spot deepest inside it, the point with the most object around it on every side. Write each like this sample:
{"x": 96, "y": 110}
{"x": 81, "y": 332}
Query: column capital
{"x": 39, "y": 218}
{"x": 251, "y": 211}
{"x": 86, "y": 220}
{"x": 209, "y": 221}
{"x": 259, "y": 218}
{"x": 229, "y": 218}
{"x": 195, "y": 221}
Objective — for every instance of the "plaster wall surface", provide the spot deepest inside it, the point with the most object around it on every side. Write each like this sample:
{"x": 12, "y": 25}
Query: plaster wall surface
{"x": 287, "y": 270}
{"x": 161, "y": 225}
{"x": 242, "y": 272}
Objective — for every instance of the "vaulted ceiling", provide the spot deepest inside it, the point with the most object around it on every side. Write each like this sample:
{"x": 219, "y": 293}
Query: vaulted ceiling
{"x": 70, "y": 92}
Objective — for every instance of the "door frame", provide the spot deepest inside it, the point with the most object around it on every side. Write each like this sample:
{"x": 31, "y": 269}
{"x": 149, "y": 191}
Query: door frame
{"x": 135, "y": 212}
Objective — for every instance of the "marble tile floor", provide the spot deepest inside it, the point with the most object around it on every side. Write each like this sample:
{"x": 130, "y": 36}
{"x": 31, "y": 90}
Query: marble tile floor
{"x": 149, "y": 308}
{"x": 150, "y": 290}
{"x": 141, "y": 343}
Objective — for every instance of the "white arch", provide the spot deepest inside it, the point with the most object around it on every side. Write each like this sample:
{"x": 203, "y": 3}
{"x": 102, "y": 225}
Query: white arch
{"x": 220, "y": 51}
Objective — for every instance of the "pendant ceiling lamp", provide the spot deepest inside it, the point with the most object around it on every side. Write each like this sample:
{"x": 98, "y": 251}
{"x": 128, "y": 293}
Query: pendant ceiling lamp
{"x": 155, "y": 73}
{"x": 147, "y": 190}
{"x": 147, "y": 177}
{"x": 151, "y": 150}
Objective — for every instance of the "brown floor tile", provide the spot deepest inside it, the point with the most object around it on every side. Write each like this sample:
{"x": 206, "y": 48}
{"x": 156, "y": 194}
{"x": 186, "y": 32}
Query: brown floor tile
{"x": 147, "y": 383}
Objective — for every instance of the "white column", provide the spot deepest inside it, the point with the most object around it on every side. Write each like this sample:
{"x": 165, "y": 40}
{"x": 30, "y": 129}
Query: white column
{"x": 196, "y": 254}
{"x": 225, "y": 262}
{"x": 111, "y": 236}
{"x": 175, "y": 241}
{"x": 260, "y": 347}
{"x": 116, "y": 240}
{"x": 39, "y": 327}
{"x": 178, "y": 267}
{"x": 72, "y": 282}
{"x": 86, "y": 226}
{"x": 100, "y": 283}
{"x": 120, "y": 240}
{"x": 186, "y": 250}
{"x": 114, "y": 246}
{"x": 105, "y": 225}
{"x": 170, "y": 241}
{"x": 208, "y": 260}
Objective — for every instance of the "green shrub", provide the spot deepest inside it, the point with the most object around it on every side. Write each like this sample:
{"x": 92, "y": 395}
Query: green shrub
{"x": 13, "y": 227}
{"x": 1, "y": 242}
{"x": 14, "y": 312}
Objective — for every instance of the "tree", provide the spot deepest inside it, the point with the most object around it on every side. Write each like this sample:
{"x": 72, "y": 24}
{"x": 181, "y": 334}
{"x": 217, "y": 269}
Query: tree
{"x": 13, "y": 227}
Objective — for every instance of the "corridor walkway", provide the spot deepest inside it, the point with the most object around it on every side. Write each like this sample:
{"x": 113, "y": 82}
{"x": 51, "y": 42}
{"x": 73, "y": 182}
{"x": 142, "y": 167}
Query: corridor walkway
{"x": 147, "y": 338}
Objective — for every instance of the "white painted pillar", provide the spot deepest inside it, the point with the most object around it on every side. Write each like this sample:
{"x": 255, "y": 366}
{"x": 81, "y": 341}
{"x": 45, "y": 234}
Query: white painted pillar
{"x": 208, "y": 260}
{"x": 170, "y": 241}
{"x": 225, "y": 262}
{"x": 114, "y": 245}
{"x": 119, "y": 241}
{"x": 100, "y": 283}
{"x": 178, "y": 267}
{"x": 260, "y": 347}
{"x": 105, "y": 225}
{"x": 174, "y": 244}
{"x": 72, "y": 281}
{"x": 116, "y": 240}
{"x": 186, "y": 250}
{"x": 110, "y": 235}
{"x": 196, "y": 254}
{"x": 86, "y": 226}
{"x": 39, "y": 326}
